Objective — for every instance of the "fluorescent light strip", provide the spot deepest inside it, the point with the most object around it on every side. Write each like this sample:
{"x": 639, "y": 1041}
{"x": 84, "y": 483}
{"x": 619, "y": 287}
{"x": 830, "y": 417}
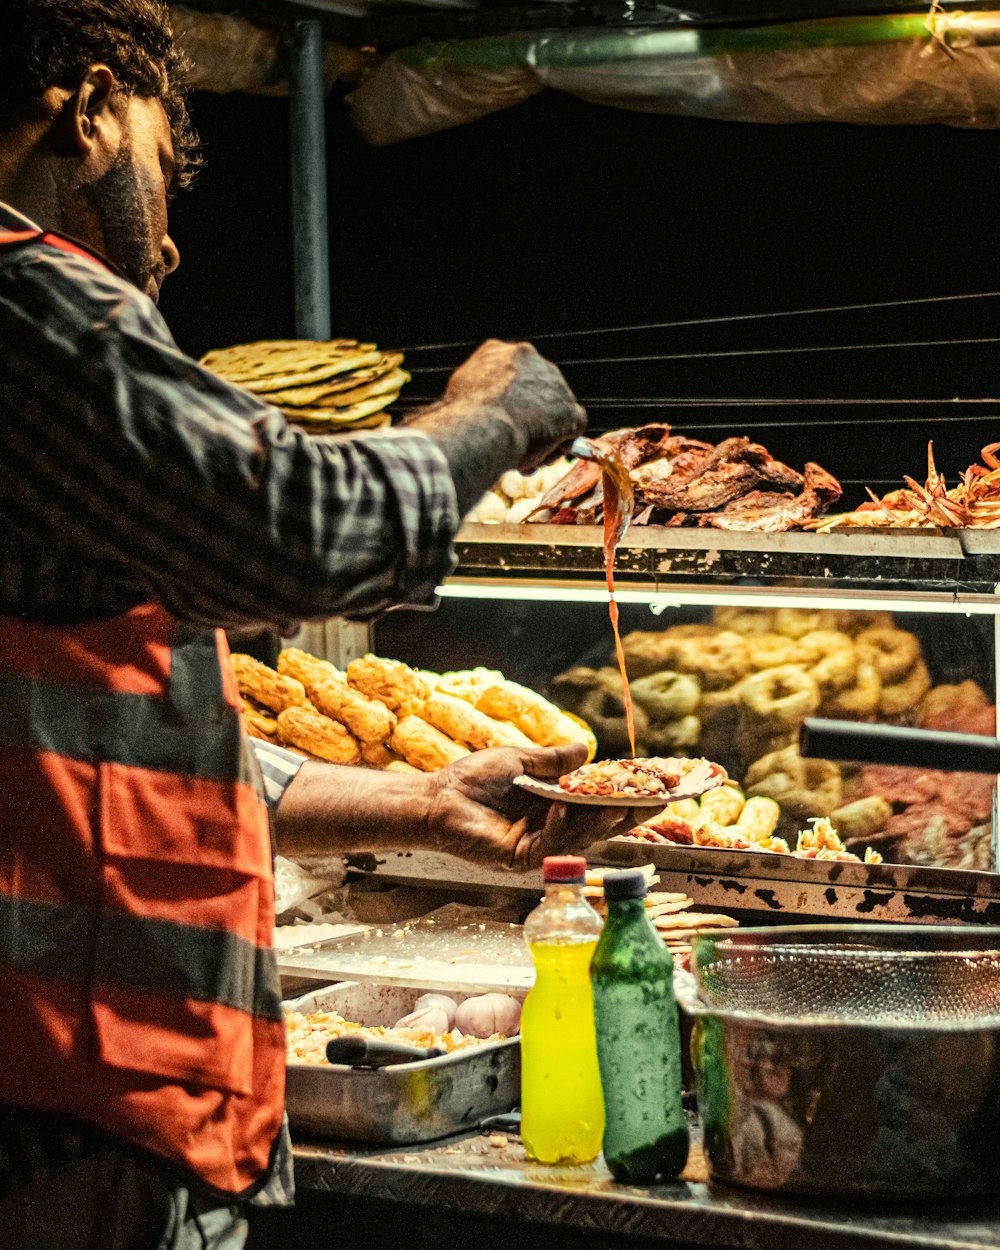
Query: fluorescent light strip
{"x": 660, "y": 601}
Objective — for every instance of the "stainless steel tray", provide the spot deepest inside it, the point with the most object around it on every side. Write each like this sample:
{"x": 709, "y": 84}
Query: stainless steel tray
{"x": 412, "y": 1102}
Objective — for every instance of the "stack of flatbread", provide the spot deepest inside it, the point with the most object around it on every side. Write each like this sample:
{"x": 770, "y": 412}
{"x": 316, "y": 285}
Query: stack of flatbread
{"x": 668, "y": 910}
{"x": 324, "y": 387}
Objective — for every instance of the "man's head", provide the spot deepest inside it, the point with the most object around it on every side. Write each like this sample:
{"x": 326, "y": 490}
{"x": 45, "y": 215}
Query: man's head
{"x": 94, "y": 133}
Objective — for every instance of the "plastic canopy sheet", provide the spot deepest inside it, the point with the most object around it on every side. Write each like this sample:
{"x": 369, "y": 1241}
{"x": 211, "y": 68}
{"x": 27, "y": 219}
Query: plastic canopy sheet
{"x": 896, "y": 70}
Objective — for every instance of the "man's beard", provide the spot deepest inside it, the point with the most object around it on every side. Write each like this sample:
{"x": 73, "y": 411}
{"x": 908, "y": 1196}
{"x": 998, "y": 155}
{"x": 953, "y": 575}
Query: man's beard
{"x": 120, "y": 204}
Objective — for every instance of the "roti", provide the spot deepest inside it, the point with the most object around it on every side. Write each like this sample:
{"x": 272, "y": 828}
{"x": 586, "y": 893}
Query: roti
{"x": 341, "y": 416}
{"x": 316, "y": 396}
{"x": 309, "y": 373}
{"x": 324, "y": 396}
{"x": 694, "y": 920}
{"x": 380, "y": 421}
{"x": 251, "y": 360}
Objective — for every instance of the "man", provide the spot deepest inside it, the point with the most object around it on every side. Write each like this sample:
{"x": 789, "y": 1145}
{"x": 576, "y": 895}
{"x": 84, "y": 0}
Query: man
{"x": 144, "y": 504}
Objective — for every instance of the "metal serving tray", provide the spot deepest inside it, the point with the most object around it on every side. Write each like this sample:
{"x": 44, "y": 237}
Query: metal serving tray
{"x": 413, "y": 1102}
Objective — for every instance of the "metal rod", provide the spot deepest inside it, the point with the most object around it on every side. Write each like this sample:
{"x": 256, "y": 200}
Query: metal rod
{"x": 892, "y": 744}
{"x": 310, "y": 226}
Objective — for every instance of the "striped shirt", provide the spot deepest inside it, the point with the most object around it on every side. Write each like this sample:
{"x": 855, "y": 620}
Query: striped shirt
{"x": 130, "y": 473}
{"x": 278, "y": 768}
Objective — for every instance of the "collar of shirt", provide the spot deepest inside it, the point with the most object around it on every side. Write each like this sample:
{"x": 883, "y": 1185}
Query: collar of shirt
{"x": 11, "y": 219}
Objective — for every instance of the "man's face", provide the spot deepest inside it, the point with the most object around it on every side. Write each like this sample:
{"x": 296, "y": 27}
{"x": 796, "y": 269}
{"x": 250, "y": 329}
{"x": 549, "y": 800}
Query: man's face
{"x": 125, "y": 205}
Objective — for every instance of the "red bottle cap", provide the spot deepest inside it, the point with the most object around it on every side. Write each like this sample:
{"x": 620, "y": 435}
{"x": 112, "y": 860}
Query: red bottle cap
{"x": 568, "y": 869}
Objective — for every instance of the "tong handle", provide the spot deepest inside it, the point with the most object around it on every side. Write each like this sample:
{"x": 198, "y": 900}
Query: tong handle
{"x": 847, "y": 740}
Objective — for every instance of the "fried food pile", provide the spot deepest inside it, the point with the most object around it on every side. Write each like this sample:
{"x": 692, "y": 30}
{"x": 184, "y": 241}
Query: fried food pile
{"x": 726, "y": 819}
{"x": 973, "y": 504}
{"x": 680, "y": 481}
{"x": 383, "y": 714}
{"x": 325, "y": 387}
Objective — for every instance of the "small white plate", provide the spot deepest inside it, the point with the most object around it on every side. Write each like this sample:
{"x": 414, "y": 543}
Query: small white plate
{"x": 691, "y": 788}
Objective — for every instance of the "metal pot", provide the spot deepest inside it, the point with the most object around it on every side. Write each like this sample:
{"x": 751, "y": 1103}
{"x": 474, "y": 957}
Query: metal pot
{"x": 832, "y": 1094}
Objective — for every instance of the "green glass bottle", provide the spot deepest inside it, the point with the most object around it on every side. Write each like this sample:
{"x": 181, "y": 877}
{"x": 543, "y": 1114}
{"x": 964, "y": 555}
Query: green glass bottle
{"x": 638, "y": 1039}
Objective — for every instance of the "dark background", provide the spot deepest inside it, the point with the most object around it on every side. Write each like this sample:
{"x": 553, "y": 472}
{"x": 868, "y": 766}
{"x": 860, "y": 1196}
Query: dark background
{"x": 558, "y": 215}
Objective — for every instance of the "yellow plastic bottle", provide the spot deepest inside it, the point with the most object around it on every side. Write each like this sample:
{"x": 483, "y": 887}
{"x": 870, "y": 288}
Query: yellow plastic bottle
{"x": 562, "y": 1108}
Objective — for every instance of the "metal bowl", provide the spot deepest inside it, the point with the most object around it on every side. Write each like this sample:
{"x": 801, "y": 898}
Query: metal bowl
{"x": 850, "y": 1060}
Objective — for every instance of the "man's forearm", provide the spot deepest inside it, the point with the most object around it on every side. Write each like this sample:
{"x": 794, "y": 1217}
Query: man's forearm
{"x": 478, "y": 451}
{"x": 328, "y": 809}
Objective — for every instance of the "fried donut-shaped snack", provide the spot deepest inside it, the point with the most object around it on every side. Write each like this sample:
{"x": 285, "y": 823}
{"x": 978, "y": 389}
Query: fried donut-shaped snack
{"x": 318, "y": 735}
{"x": 399, "y": 687}
{"x": 264, "y": 685}
{"x": 648, "y": 651}
{"x": 748, "y": 621}
{"x": 802, "y": 787}
{"x": 794, "y": 622}
{"x": 464, "y": 723}
{"x": 534, "y": 715}
{"x": 423, "y": 746}
{"x": 368, "y": 720}
{"x": 673, "y": 736}
{"x": 830, "y": 657}
{"x": 862, "y": 818}
{"x": 780, "y": 698}
{"x": 666, "y": 696}
{"x": 306, "y": 668}
{"x": 771, "y": 650}
{"x": 718, "y": 661}
{"x": 852, "y": 623}
{"x": 859, "y": 700}
{"x": 604, "y": 710}
{"x": 571, "y": 687}
{"x": 902, "y": 696}
{"x": 894, "y": 652}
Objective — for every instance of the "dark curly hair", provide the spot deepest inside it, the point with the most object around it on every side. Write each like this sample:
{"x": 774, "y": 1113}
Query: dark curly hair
{"x": 51, "y": 43}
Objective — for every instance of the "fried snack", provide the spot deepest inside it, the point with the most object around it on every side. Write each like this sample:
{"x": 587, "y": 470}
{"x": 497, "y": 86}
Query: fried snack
{"x": 666, "y": 696}
{"x": 572, "y": 687}
{"x": 759, "y": 818}
{"x": 393, "y": 683}
{"x": 465, "y": 723}
{"x": 830, "y": 658}
{"x": 747, "y": 621}
{"x": 780, "y": 698}
{"x": 722, "y": 805}
{"x": 894, "y": 652}
{"x": 401, "y": 766}
{"x": 852, "y": 623}
{"x": 306, "y": 668}
{"x": 718, "y": 661}
{"x": 367, "y": 719}
{"x": 318, "y": 735}
{"x": 794, "y": 622}
{"x": 901, "y": 696}
{"x": 802, "y": 787}
{"x": 859, "y": 700}
{"x": 604, "y": 710}
{"x": 942, "y": 699}
{"x": 423, "y": 746}
{"x": 575, "y": 729}
{"x": 771, "y": 650}
{"x": 640, "y": 777}
{"x": 648, "y": 651}
{"x": 676, "y": 735}
{"x": 468, "y": 683}
{"x": 266, "y": 686}
{"x": 534, "y": 715}
{"x": 260, "y": 721}
{"x": 377, "y": 755}
{"x": 862, "y": 818}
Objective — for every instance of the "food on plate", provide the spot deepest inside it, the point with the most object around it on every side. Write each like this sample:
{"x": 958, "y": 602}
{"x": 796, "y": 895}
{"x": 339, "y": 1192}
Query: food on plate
{"x": 265, "y": 686}
{"x": 391, "y": 682}
{"x": 465, "y": 723}
{"x": 633, "y": 778}
{"x": 369, "y": 721}
{"x": 423, "y": 746}
{"x": 486, "y": 1015}
{"x": 317, "y": 735}
{"x": 434, "y": 1012}
{"x": 325, "y": 386}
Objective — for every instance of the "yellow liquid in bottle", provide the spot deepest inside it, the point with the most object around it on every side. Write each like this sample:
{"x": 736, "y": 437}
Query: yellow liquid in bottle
{"x": 562, "y": 1108}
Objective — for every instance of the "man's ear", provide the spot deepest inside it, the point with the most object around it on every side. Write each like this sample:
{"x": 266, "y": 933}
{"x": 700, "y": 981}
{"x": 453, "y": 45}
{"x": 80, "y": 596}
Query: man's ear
{"x": 87, "y": 111}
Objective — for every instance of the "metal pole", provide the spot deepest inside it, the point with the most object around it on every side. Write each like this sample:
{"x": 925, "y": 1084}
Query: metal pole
{"x": 310, "y": 237}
